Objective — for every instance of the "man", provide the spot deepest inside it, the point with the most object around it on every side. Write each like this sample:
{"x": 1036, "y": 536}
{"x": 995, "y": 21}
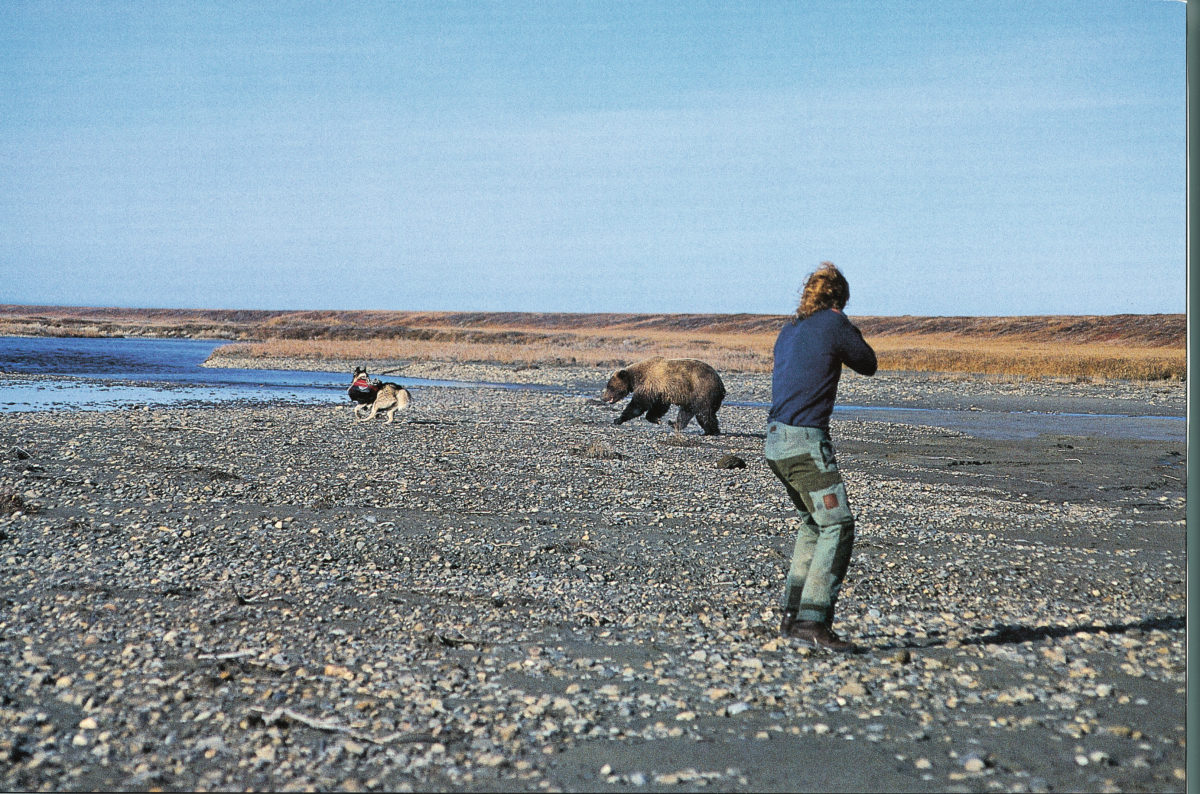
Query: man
{"x": 809, "y": 355}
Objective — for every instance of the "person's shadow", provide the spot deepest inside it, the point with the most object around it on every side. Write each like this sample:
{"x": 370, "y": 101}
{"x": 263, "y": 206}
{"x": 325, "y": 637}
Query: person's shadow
{"x": 1016, "y": 634}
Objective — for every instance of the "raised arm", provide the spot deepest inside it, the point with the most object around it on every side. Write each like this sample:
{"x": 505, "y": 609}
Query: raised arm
{"x": 856, "y": 353}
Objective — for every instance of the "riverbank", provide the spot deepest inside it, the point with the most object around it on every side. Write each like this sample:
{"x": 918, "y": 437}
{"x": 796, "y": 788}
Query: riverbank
{"x": 1127, "y": 346}
{"x": 502, "y": 590}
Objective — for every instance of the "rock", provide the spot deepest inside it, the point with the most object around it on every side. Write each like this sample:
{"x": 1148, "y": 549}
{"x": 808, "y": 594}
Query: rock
{"x": 513, "y": 596}
{"x": 852, "y": 689}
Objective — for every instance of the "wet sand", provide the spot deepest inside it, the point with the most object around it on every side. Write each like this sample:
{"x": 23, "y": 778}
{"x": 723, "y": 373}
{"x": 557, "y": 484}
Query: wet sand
{"x": 502, "y": 590}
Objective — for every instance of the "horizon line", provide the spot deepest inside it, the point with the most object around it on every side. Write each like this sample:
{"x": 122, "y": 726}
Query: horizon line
{"x": 51, "y": 306}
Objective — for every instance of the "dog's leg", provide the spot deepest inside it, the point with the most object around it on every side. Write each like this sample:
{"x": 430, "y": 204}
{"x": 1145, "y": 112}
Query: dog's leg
{"x": 391, "y": 414}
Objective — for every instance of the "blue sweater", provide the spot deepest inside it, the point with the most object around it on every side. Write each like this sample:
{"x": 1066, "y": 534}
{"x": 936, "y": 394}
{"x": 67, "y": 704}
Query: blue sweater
{"x": 808, "y": 364}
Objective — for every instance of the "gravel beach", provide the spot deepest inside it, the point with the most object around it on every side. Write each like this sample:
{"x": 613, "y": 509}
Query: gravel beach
{"x": 504, "y": 591}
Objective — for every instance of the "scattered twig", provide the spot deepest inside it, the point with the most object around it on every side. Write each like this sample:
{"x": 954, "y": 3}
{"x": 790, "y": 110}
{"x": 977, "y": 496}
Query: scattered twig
{"x": 456, "y": 642}
{"x": 243, "y": 601}
{"x": 411, "y": 737}
{"x": 227, "y": 655}
{"x": 272, "y": 717}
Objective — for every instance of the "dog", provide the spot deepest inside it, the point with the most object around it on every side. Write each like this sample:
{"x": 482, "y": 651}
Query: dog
{"x": 376, "y": 396}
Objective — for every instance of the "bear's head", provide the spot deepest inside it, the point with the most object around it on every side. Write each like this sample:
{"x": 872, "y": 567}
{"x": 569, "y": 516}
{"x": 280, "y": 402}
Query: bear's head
{"x": 619, "y": 385}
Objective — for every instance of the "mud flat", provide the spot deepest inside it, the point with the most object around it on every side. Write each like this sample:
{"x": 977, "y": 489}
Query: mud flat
{"x": 503, "y": 591}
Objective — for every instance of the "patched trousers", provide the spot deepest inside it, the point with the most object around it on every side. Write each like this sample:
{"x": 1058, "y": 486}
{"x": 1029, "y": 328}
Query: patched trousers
{"x": 803, "y": 460}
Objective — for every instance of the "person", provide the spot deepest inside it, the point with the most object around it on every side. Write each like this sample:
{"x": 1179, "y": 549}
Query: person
{"x": 809, "y": 354}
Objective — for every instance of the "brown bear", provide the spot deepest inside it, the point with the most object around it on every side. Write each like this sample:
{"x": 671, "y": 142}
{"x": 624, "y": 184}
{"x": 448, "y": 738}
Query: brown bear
{"x": 658, "y": 383}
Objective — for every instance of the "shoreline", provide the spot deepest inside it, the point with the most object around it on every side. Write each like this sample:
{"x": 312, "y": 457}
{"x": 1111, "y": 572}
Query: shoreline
{"x": 939, "y": 390}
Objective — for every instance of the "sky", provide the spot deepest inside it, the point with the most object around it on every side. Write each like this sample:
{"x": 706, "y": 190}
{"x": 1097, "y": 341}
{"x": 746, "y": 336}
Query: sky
{"x": 952, "y": 158}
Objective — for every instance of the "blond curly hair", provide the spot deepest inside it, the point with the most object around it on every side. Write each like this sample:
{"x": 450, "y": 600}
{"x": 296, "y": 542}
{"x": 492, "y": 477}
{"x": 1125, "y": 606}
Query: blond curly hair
{"x": 826, "y": 288}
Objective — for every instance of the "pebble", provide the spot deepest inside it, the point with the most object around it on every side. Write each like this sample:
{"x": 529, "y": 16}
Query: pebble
{"x": 852, "y": 689}
{"x": 271, "y": 597}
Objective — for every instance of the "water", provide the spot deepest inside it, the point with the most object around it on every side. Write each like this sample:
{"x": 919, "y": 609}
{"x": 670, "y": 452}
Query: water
{"x": 1028, "y": 424}
{"x": 104, "y": 374}
{"x": 1014, "y": 424}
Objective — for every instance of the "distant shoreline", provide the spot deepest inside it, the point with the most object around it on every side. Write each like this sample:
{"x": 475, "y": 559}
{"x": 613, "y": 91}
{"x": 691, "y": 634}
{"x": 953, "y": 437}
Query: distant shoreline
{"x": 1125, "y": 346}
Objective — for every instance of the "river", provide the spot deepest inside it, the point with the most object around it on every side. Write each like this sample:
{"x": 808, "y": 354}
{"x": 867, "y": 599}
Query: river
{"x": 112, "y": 373}
{"x": 108, "y": 373}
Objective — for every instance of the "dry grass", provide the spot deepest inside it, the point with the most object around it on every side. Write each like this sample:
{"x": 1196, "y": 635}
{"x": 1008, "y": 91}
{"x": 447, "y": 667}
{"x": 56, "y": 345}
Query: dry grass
{"x": 1019, "y": 357}
{"x": 752, "y": 353}
{"x": 1143, "y": 347}
{"x": 588, "y": 349}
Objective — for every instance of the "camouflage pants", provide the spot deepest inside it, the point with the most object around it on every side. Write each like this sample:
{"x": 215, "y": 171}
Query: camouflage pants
{"x": 803, "y": 460}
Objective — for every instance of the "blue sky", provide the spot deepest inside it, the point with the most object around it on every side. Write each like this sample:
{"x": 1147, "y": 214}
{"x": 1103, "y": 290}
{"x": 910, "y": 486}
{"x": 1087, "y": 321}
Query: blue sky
{"x": 952, "y": 158}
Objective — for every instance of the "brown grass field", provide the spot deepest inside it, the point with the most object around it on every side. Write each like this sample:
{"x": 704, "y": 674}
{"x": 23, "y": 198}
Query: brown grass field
{"x": 1126, "y": 347}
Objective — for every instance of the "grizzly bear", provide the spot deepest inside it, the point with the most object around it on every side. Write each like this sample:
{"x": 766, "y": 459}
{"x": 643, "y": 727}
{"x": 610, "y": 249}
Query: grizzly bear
{"x": 658, "y": 383}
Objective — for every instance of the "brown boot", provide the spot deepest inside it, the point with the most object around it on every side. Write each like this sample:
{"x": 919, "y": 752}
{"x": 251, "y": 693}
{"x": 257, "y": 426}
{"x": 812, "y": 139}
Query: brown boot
{"x": 817, "y": 635}
{"x": 789, "y": 619}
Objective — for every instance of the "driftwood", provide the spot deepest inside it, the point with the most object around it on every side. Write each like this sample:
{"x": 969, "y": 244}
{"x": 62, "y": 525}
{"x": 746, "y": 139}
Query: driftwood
{"x": 243, "y": 601}
{"x": 228, "y": 655}
{"x": 332, "y": 726}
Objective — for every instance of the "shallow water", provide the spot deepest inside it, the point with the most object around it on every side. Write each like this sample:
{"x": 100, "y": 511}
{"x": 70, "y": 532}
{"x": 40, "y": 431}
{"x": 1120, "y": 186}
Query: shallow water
{"x": 1028, "y": 424}
{"x": 108, "y": 373}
